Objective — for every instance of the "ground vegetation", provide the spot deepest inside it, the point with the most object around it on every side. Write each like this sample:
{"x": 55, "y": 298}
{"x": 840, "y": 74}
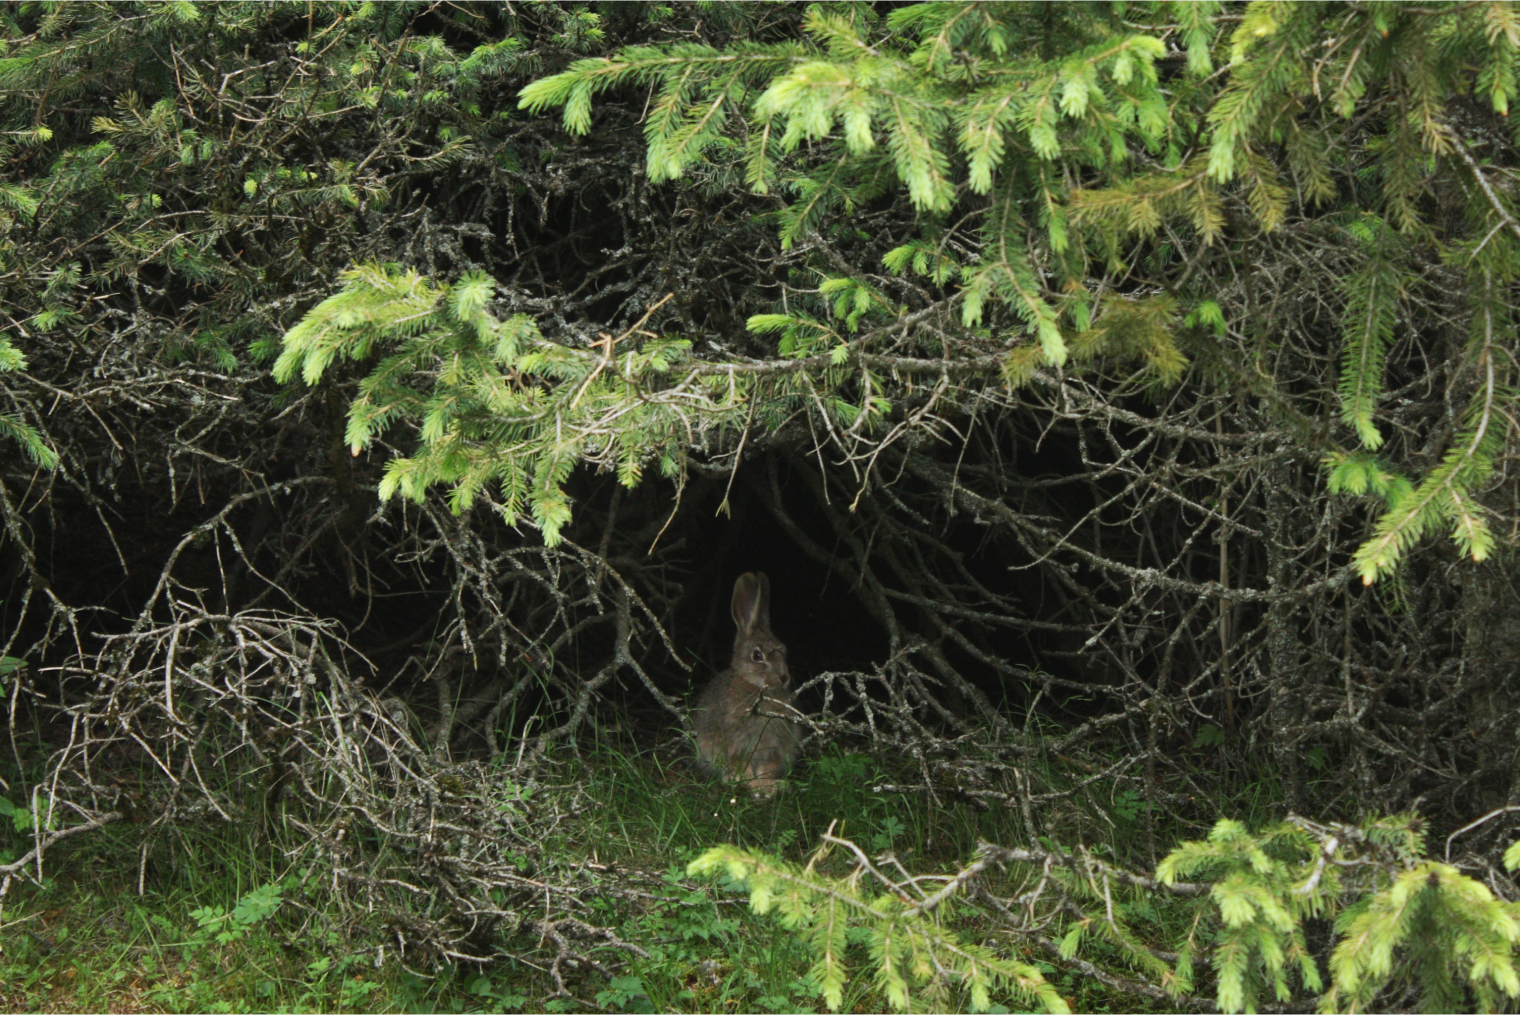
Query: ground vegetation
{"x": 1120, "y": 399}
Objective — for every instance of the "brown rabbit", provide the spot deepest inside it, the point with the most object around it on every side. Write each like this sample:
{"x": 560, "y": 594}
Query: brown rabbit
{"x": 742, "y": 732}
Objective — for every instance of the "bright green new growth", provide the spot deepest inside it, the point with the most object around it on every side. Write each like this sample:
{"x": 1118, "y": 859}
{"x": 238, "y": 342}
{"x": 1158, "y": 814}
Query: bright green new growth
{"x": 495, "y": 403}
{"x": 500, "y": 407}
{"x": 1403, "y": 919}
{"x": 1437, "y": 921}
{"x": 33, "y": 445}
{"x": 1240, "y": 899}
{"x": 1262, "y": 890}
{"x": 497, "y": 406}
{"x": 1373, "y": 295}
{"x": 1035, "y": 146}
{"x": 894, "y": 114}
{"x": 1040, "y": 118}
{"x": 1447, "y": 495}
{"x": 910, "y": 948}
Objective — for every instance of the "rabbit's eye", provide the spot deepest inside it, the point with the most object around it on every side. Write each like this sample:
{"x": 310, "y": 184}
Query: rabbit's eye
{"x": 757, "y": 655}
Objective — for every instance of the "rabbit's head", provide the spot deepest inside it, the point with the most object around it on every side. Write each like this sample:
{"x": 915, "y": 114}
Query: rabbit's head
{"x": 759, "y": 659}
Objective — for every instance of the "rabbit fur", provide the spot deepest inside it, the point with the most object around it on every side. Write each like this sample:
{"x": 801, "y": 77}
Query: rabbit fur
{"x": 742, "y": 732}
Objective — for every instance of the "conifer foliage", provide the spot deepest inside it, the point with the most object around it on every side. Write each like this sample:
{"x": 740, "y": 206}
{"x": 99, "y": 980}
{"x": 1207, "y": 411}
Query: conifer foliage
{"x": 507, "y": 408}
{"x": 501, "y": 409}
{"x": 1039, "y": 146}
{"x": 909, "y": 944}
{"x": 1122, "y": 394}
{"x": 15, "y": 427}
{"x": 1402, "y": 921}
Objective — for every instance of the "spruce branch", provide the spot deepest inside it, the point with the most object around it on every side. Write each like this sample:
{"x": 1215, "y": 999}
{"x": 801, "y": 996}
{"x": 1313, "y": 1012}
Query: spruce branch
{"x": 1372, "y": 309}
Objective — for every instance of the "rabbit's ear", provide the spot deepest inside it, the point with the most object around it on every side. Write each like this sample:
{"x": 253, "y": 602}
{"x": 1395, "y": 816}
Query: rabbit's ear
{"x": 763, "y": 603}
{"x": 752, "y": 603}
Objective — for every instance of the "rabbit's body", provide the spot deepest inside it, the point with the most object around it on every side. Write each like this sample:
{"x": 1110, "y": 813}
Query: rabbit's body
{"x": 742, "y": 734}
{"x": 741, "y": 718}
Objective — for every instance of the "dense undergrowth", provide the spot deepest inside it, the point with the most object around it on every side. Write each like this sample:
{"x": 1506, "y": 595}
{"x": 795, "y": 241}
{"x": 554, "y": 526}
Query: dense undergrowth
{"x": 1070, "y": 370}
{"x": 225, "y": 919}
{"x": 691, "y": 896}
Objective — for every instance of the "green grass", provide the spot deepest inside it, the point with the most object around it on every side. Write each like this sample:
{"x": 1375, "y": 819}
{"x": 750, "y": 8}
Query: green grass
{"x": 74, "y": 946}
{"x": 224, "y": 925}
{"x": 651, "y": 813}
{"x": 707, "y": 952}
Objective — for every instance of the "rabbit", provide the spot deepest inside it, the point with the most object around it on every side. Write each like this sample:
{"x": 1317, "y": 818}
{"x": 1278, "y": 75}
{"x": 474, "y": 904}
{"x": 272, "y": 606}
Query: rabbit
{"x": 740, "y": 719}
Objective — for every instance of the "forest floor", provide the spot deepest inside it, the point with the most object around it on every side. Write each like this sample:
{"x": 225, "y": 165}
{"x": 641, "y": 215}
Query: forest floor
{"x": 88, "y": 940}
